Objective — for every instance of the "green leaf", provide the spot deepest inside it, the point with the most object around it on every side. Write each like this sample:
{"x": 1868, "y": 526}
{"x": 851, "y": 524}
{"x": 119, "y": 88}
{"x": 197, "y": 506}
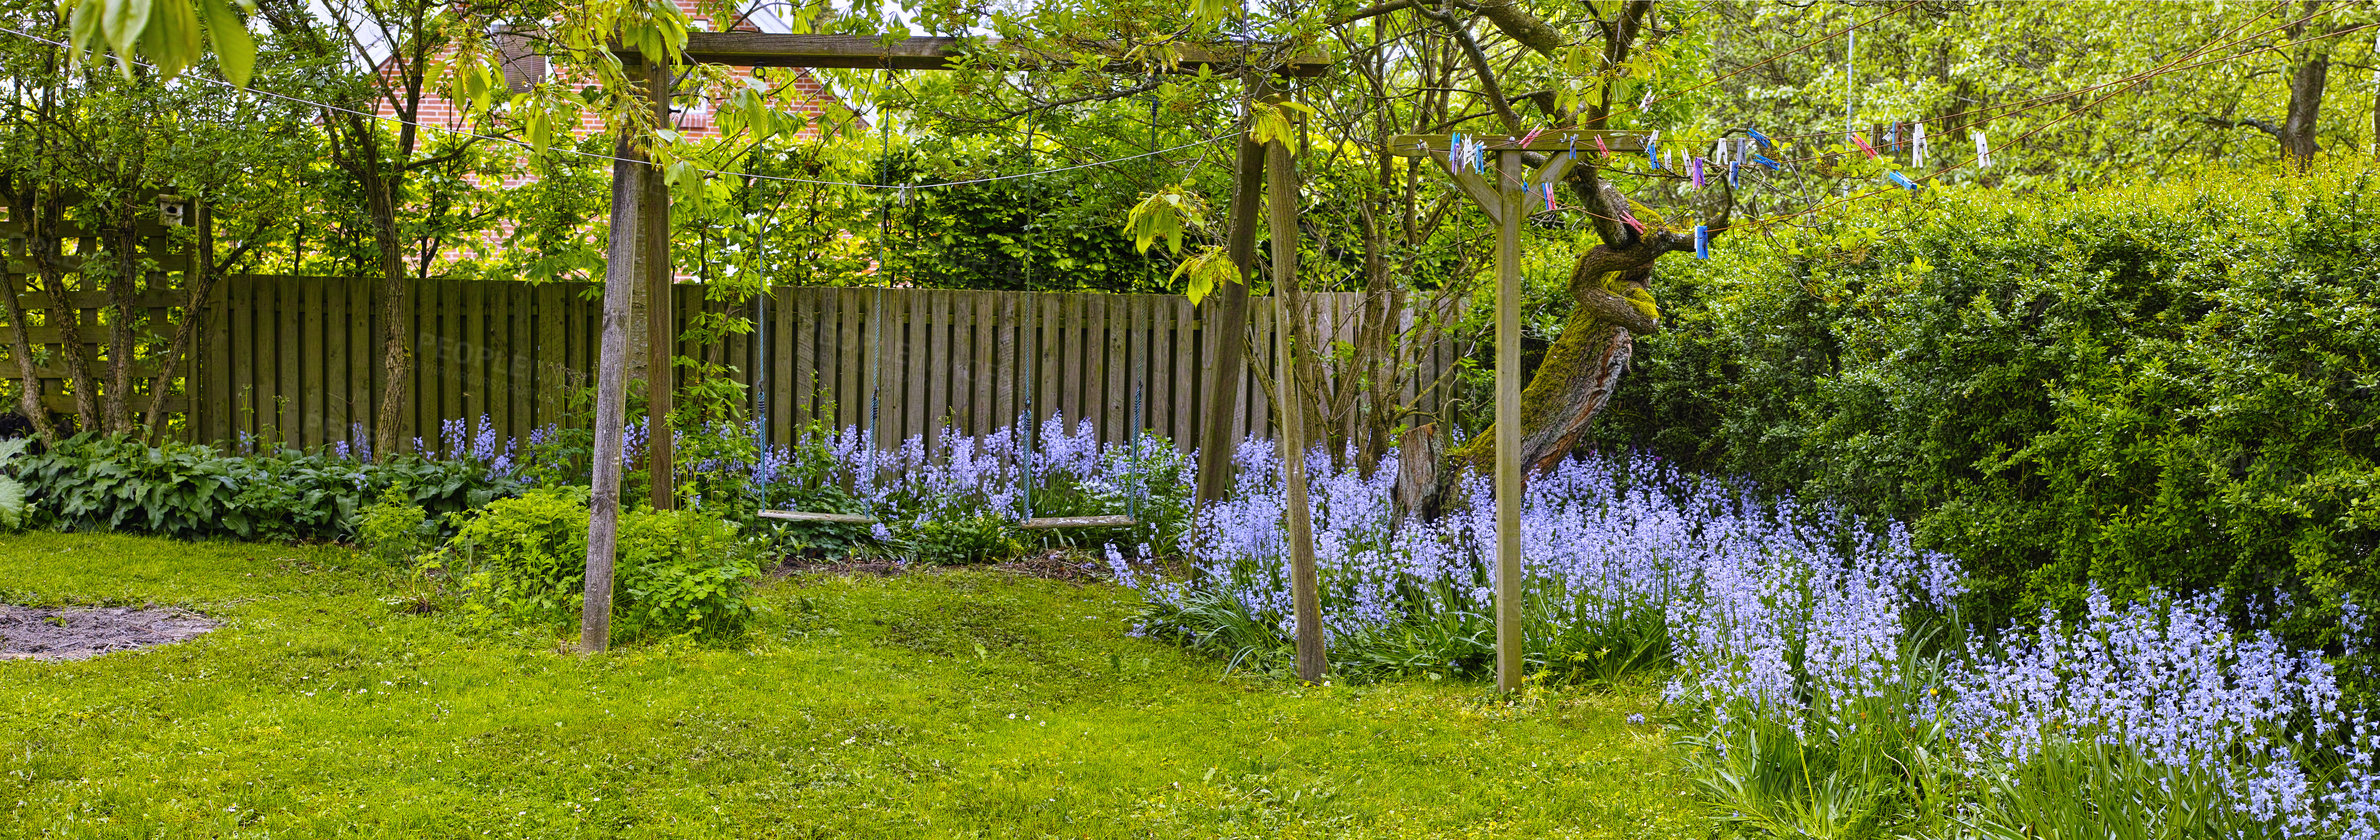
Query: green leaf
{"x": 122, "y": 23}
{"x": 171, "y": 38}
{"x": 541, "y": 130}
{"x": 235, "y": 49}
{"x": 1206, "y": 273}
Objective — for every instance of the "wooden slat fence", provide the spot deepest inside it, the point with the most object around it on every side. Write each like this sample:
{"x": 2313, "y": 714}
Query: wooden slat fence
{"x": 296, "y": 359}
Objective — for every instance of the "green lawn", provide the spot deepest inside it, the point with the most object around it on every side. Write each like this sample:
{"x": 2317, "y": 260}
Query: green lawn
{"x": 963, "y": 704}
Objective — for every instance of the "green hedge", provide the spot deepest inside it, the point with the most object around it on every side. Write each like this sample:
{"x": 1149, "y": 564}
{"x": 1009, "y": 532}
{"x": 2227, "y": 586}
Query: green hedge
{"x": 2161, "y": 386}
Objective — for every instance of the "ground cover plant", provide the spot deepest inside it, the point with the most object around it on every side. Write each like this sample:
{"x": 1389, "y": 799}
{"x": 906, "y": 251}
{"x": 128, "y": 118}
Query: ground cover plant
{"x": 953, "y": 704}
{"x": 1821, "y": 680}
{"x": 92, "y": 482}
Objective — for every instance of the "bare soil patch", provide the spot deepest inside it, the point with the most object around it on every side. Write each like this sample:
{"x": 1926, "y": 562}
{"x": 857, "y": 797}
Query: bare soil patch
{"x": 58, "y": 634}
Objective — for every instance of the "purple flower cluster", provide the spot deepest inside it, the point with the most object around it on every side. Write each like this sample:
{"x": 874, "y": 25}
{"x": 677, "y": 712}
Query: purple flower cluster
{"x": 2174, "y": 684}
{"x": 1603, "y": 541}
{"x": 1803, "y": 615}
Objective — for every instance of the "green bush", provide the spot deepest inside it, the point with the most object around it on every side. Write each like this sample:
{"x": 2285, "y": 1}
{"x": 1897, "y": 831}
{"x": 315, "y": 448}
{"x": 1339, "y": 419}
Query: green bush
{"x": 101, "y": 483}
{"x": 395, "y": 530}
{"x": 2170, "y": 386}
{"x": 677, "y": 572}
{"x": 951, "y": 537}
{"x": 682, "y": 571}
{"x": 13, "y": 506}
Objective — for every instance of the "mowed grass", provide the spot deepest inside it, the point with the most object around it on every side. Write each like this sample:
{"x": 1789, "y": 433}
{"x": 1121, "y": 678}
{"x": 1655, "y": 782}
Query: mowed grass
{"x": 956, "y": 704}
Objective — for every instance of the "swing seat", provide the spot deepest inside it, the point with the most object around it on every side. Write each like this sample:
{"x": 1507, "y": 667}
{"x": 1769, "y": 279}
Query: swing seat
{"x": 829, "y": 518}
{"x": 1044, "y": 523}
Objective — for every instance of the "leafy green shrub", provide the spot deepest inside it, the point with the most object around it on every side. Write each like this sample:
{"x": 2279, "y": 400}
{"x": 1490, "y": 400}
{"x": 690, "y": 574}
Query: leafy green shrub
{"x": 682, "y": 571}
{"x": 2168, "y": 386}
{"x": 395, "y": 529}
{"x": 677, "y": 572}
{"x": 526, "y": 556}
{"x": 952, "y": 538}
{"x": 103, "y": 483}
{"x": 12, "y": 491}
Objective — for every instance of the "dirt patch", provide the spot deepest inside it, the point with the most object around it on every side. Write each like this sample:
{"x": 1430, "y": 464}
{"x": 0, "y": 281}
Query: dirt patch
{"x": 55, "y": 634}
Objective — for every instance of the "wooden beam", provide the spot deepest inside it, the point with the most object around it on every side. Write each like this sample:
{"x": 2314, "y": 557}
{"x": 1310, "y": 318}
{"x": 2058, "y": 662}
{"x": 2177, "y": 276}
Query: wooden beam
{"x": 1227, "y": 317}
{"x": 810, "y": 516}
{"x": 661, "y": 318}
{"x": 1426, "y": 145}
{"x": 611, "y": 395}
{"x": 1281, "y": 193}
{"x": 765, "y": 49}
{"x": 1044, "y": 523}
{"x": 1509, "y": 634}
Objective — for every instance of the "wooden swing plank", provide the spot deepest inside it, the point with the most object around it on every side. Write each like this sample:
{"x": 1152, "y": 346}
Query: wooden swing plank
{"x": 1041, "y": 523}
{"x": 809, "y": 516}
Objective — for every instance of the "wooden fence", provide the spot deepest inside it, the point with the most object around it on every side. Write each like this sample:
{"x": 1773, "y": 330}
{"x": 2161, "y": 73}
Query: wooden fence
{"x": 296, "y": 359}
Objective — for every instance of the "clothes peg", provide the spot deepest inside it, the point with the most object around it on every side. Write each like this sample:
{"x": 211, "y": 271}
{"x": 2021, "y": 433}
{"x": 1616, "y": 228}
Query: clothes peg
{"x": 1652, "y": 143}
{"x": 1764, "y": 161}
{"x": 1599, "y": 145}
{"x": 1917, "y": 145}
{"x": 1549, "y": 198}
{"x": 1735, "y": 174}
{"x": 1694, "y": 167}
{"x": 1863, "y": 145}
{"x": 1983, "y": 152}
{"x": 1531, "y": 137}
{"x": 1896, "y": 177}
{"x": 1702, "y": 242}
{"x": 1759, "y": 137}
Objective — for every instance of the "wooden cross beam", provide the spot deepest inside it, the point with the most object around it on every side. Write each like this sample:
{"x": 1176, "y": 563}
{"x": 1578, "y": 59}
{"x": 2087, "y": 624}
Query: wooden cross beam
{"x": 1557, "y": 144}
{"x": 765, "y": 49}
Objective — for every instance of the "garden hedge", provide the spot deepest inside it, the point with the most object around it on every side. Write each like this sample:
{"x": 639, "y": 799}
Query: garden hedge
{"x": 2165, "y": 386}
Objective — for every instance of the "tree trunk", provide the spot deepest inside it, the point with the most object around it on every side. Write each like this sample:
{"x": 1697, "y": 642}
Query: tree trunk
{"x": 43, "y": 245}
{"x": 2298, "y": 145}
{"x": 1573, "y": 382}
{"x": 29, "y": 391}
{"x": 123, "y": 283}
{"x": 396, "y": 303}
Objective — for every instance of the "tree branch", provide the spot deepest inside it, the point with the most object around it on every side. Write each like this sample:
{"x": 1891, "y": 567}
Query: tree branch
{"x": 1479, "y": 65}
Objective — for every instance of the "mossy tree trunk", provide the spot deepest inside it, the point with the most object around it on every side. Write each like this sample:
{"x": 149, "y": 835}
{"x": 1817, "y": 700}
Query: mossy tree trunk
{"x": 1611, "y": 306}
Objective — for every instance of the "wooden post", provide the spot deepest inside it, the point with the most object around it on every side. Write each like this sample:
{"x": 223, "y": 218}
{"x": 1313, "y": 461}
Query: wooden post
{"x": 661, "y": 328}
{"x": 1506, "y": 203}
{"x": 1280, "y": 177}
{"x": 611, "y": 395}
{"x": 1509, "y": 174}
{"x": 1228, "y": 319}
